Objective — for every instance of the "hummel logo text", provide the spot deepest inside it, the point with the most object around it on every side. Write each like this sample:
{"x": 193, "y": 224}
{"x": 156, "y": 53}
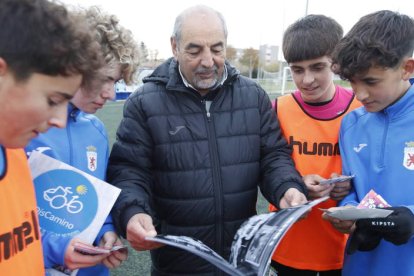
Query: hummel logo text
{"x": 360, "y": 147}
{"x": 176, "y": 130}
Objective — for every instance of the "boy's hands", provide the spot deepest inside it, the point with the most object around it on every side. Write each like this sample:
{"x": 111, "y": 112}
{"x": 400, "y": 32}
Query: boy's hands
{"x": 74, "y": 259}
{"x": 314, "y": 189}
{"x": 343, "y": 226}
{"x": 397, "y": 228}
{"x": 363, "y": 240}
{"x": 340, "y": 190}
{"x": 336, "y": 191}
{"x": 109, "y": 240}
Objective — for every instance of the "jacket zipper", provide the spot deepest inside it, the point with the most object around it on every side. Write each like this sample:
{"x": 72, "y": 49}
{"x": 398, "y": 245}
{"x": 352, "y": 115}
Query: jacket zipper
{"x": 72, "y": 116}
{"x": 384, "y": 140}
{"x": 218, "y": 194}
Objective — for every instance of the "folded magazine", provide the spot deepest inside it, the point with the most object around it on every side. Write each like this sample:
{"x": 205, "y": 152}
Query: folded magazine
{"x": 253, "y": 244}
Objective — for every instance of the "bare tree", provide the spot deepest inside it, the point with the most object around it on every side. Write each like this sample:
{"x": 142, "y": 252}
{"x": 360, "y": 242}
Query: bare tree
{"x": 272, "y": 67}
{"x": 250, "y": 58}
{"x": 231, "y": 53}
{"x": 143, "y": 52}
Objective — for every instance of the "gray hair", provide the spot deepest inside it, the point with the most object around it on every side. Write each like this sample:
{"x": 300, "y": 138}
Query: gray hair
{"x": 180, "y": 18}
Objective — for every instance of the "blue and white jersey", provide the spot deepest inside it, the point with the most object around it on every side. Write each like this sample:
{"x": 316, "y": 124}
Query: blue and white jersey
{"x": 84, "y": 145}
{"x": 378, "y": 148}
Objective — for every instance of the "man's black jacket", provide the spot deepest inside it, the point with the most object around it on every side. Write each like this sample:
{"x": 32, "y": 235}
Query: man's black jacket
{"x": 197, "y": 172}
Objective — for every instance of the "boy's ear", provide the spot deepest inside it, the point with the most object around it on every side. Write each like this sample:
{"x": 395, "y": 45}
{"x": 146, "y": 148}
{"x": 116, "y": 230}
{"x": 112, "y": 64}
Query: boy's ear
{"x": 408, "y": 68}
{"x": 3, "y": 66}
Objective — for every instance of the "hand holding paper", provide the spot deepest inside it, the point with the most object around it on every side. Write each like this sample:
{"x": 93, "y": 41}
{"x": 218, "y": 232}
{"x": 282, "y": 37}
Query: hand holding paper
{"x": 343, "y": 218}
{"x": 314, "y": 189}
{"x": 119, "y": 252}
{"x": 292, "y": 197}
{"x": 337, "y": 187}
{"x": 74, "y": 259}
{"x": 87, "y": 249}
{"x": 139, "y": 227}
{"x": 397, "y": 228}
{"x": 341, "y": 188}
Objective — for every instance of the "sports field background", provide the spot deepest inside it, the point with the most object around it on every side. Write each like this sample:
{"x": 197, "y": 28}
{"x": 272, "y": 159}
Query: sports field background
{"x": 138, "y": 263}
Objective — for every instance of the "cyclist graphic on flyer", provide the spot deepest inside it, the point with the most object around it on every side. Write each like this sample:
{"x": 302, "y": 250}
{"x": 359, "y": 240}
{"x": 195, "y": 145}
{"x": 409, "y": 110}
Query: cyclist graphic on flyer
{"x": 57, "y": 198}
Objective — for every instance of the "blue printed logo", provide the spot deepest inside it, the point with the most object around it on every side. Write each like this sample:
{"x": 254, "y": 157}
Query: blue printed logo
{"x": 66, "y": 202}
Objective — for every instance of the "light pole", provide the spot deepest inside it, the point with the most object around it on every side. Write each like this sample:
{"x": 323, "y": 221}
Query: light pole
{"x": 306, "y": 10}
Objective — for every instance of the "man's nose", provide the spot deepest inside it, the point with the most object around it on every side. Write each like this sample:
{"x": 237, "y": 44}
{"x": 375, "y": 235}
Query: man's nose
{"x": 207, "y": 59}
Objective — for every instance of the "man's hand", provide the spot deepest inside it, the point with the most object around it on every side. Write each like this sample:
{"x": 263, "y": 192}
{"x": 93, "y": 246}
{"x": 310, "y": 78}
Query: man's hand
{"x": 109, "y": 240}
{"x": 292, "y": 197}
{"x": 74, "y": 260}
{"x": 397, "y": 228}
{"x": 139, "y": 227}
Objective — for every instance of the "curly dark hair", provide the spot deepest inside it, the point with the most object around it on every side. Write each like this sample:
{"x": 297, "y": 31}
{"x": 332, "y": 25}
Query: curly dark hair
{"x": 40, "y": 36}
{"x": 310, "y": 37}
{"x": 381, "y": 39}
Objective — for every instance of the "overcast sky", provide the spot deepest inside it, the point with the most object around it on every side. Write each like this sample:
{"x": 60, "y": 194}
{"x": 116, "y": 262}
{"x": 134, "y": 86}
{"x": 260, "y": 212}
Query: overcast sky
{"x": 250, "y": 23}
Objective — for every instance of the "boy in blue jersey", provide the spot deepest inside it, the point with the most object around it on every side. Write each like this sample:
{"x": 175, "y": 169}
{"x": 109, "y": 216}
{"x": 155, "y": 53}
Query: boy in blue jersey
{"x": 377, "y": 141}
{"x": 84, "y": 142}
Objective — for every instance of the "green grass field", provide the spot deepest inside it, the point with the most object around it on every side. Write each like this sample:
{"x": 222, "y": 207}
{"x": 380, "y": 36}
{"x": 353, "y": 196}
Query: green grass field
{"x": 138, "y": 263}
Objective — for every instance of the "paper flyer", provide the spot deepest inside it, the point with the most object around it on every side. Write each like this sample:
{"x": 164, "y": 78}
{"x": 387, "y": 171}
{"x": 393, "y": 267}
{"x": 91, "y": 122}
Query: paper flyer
{"x": 354, "y": 213}
{"x": 369, "y": 207}
{"x": 70, "y": 202}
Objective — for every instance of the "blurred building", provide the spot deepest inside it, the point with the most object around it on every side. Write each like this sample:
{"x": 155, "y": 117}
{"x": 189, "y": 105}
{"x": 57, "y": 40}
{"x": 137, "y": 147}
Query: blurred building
{"x": 268, "y": 54}
{"x": 122, "y": 90}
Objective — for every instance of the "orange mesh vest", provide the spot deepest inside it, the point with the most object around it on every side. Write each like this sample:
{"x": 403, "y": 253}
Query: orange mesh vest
{"x": 20, "y": 243}
{"x": 311, "y": 243}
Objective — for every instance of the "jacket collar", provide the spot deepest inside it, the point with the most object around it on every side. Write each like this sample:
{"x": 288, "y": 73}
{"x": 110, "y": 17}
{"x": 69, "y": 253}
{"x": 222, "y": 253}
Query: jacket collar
{"x": 73, "y": 111}
{"x": 403, "y": 106}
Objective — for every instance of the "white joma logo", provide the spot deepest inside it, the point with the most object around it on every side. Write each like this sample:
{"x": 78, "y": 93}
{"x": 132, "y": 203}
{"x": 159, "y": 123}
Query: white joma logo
{"x": 39, "y": 149}
{"x": 360, "y": 147}
{"x": 176, "y": 130}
